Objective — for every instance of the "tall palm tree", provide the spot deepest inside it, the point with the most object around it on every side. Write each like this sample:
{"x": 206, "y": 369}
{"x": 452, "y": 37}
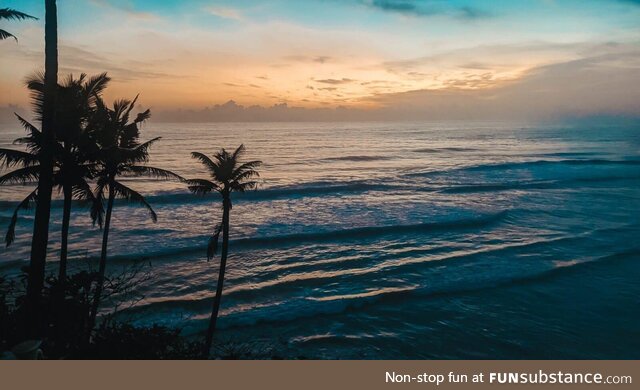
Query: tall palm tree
{"x": 12, "y": 14}
{"x": 40, "y": 239}
{"x": 119, "y": 154}
{"x": 228, "y": 174}
{"x": 72, "y": 161}
{"x": 73, "y": 164}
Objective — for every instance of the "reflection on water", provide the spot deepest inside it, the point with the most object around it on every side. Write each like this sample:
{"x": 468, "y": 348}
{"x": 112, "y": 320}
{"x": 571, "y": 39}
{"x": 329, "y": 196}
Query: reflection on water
{"x": 390, "y": 240}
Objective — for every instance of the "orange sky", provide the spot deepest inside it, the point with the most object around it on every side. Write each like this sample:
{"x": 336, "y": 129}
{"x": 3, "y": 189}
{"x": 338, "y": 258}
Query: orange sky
{"x": 353, "y": 54}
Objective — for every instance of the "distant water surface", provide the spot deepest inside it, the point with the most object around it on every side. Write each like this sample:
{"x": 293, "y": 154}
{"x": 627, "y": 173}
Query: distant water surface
{"x": 393, "y": 240}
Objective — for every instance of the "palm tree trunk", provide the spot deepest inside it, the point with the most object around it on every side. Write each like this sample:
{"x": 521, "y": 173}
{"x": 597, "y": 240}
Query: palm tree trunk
{"x": 60, "y": 294}
{"x": 66, "y": 216}
{"x": 226, "y": 206}
{"x": 41, "y": 224}
{"x": 103, "y": 262}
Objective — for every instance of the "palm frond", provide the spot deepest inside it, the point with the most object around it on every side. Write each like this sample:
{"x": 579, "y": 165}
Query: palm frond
{"x": 248, "y": 166}
{"x": 130, "y": 195}
{"x": 222, "y": 157}
{"x": 243, "y": 187}
{"x": 24, "y": 205}
{"x": 126, "y": 112}
{"x": 212, "y": 246}
{"x": 140, "y": 153}
{"x": 206, "y": 161}
{"x": 96, "y": 85}
{"x": 35, "y": 85}
{"x": 143, "y": 116}
{"x": 238, "y": 152}
{"x": 10, "y": 158}
{"x": 82, "y": 191}
{"x": 6, "y": 34}
{"x": 201, "y": 186}
{"x": 24, "y": 175}
{"x": 97, "y": 207}
{"x": 152, "y": 172}
{"x": 33, "y": 131}
{"x": 12, "y": 14}
{"x": 247, "y": 174}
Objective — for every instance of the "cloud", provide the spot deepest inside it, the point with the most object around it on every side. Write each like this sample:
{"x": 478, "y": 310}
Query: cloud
{"x": 7, "y": 113}
{"x": 422, "y": 8}
{"x": 300, "y": 58}
{"x": 225, "y": 13}
{"x": 468, "y": 57}
{"x": 604, "y": 83}
{"x": 335, "y": 81}
{"x": 76, "y": 59}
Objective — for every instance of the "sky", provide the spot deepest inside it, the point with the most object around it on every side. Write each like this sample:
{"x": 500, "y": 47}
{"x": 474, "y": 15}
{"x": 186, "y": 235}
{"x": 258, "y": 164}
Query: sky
{"x": 344, "y": 59}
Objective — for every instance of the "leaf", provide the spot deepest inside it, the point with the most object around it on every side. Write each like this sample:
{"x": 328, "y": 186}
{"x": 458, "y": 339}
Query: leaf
{"x": 24, "y": 205}
{"x": 152, "y": 172}
{"x": 10, "y": 158}
{"x": 21, "y": 175}
{"x": 201, "y": 186}
{"x": 130, "y": 195}
{"x": 212, "y": 247}
{"x": 5, "y": 34}
{"x": 12, "y": 14}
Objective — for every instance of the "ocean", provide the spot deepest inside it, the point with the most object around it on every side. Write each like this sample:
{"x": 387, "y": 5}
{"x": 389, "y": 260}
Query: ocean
{"x": 443, "y": 240}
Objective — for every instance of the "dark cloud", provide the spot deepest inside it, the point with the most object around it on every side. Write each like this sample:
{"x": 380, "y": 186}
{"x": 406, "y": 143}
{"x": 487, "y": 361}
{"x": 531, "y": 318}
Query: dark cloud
{"x": 299, "y": 58}
{"x": 234, "y": 112}
{"x": 426, "y": 8}
{"x": 321, "y": 59}
{"x": 335, "y": 81}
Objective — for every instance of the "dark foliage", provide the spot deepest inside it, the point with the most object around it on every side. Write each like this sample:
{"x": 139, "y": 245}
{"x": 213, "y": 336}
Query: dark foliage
{"x": 125, "y": 341}
{"x": 64, "y": 321}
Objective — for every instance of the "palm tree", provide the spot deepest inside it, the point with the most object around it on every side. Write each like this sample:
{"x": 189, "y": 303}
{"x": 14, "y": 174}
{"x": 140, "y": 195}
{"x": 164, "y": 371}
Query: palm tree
{"x": 12, "y": 14}
{"x": 73, "y": 165}
{"x": 119, "y": 154}
{"x": 40, "y": 238}
{"x": 72, "y": 162}
{"x": 228, "y": 174}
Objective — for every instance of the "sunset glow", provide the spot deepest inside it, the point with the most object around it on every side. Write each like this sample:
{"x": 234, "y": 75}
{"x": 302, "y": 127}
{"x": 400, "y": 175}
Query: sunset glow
{"x": 353, "y": 53}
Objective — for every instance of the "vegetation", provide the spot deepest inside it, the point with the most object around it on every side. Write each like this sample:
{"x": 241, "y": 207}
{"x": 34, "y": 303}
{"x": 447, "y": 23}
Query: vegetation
{"x": 73, "y": 165}
{"x": 84, "y": 148}
{"x": 40, "y": 239}
{"x": 119, "y": 153}
{"x": 228, "y": 174}
{"x": 12, "y": 14}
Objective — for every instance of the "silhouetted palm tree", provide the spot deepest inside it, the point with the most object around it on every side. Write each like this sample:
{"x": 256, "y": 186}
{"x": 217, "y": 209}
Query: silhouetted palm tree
{"x": 119, "y": 154}
{"x": 12, "y": 14}
{"x": 228, "y": 174}
{"x": 72, "y": 160}
{"x": 40, "y": 239}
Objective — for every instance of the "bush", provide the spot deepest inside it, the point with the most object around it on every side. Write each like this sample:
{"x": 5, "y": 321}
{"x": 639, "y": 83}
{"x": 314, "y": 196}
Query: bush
{"x": 125, "y": 341}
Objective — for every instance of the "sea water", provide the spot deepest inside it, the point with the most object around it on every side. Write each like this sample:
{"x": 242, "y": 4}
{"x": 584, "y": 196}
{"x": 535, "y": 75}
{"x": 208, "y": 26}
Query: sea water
{"x": 387, "y": 240}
